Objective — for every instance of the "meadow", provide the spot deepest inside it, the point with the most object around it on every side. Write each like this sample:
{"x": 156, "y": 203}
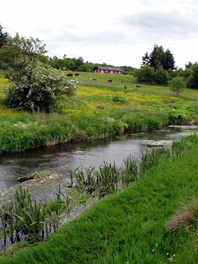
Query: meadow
{"x": 152, "y": 219}
{"x": 99, "y": 109}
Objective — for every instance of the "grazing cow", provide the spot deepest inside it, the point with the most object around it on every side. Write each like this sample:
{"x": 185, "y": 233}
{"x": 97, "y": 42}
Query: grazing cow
{"x": 137, "y": 86}
{"x": 70, "y": 75}
{"x": 76, "y": 74}
{"x": 122, "y": 81}
{"x": 93, "y": 79}
{"x": 109, "y": 81}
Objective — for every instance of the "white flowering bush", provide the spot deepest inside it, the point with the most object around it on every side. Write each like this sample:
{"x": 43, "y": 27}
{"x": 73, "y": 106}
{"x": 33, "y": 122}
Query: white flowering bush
{"x": 38, "y": 86}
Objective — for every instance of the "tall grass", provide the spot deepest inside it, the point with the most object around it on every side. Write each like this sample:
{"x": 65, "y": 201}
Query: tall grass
{"x": 97, "y": 111}
{"x": 128, "y": 227}
{"x": 25, "y": 218}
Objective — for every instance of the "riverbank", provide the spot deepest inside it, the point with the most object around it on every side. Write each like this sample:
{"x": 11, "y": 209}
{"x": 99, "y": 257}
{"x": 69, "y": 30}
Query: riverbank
{"x": 97, "y": 111}
{"x": 130, "y": 226}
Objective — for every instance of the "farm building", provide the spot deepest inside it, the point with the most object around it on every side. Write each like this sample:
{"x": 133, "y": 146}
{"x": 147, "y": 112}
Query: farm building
{"x": 103, "y": 69}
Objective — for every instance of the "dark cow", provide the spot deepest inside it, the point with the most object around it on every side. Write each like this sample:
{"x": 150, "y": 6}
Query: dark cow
{"x": 76, "y": 74}
{"x": 137, "y": 86}
{"x": 109, "y": 81}
{"x": 70, "y": 75}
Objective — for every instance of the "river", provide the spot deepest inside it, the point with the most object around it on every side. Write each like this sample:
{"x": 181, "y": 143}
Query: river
{"x": 60, "y": 157}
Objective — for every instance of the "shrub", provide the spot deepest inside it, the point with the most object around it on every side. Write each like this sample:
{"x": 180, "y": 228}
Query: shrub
{"x": 162, "y": 76}
{"x": 38, "y": 87}
{"x": 177, "y": 85}
{"x": 145, "y": 74}
{"x": 119, "y": 99}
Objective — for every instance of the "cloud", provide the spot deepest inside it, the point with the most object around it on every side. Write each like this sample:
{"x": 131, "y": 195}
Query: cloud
{"x": 159, "y": 25}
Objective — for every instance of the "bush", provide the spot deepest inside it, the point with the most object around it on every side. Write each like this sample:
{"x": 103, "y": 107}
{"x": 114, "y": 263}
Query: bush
{"x": 162, "y": 76}
{"x": 38, "y": 87}
{"x": 145, "y": 74}
{"x": 192, "y": 81}
{"x": 177, "y": 85}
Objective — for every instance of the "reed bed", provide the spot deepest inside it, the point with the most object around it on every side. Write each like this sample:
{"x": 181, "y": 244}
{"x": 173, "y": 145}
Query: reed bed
{"x": 25, "y": 218}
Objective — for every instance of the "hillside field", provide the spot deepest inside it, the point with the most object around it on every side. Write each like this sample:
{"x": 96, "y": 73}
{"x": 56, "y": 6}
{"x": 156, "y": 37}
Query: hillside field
{"x": 99, "y": 109}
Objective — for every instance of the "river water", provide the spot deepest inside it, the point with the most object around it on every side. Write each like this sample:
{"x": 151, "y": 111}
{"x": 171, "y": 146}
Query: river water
{"x": 60, "y": 157}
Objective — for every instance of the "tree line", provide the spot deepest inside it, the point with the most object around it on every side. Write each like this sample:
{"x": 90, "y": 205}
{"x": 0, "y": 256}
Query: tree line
{"x": 158, "y": 67}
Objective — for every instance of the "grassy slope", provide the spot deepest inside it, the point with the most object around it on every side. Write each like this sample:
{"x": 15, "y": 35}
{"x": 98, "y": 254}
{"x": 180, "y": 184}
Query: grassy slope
{"x": 127, "y": 227}
{"x": 93, "y": 113}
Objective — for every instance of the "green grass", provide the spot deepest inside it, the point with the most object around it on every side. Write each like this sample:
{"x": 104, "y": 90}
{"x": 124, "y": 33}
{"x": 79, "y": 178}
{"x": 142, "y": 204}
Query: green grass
{"x": 128, "y": 226}
{"x": 98, "y": 110}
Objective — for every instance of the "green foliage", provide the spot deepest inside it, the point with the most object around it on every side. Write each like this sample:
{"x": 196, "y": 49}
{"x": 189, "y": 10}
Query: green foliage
{"x": 145, "y": 74}
{"x": 190, "y": 65}
{"x": 177, "y": 85}
{"x": 192, "y": 81}
{"x": 159, "y": 58}
{"x": 3, "y": 37}
{"x": 162, "y": 76}
{"x": 128, "y": 226}
{"x": 119, "y": 99}
{"x": 38, "y": 87}
{"x": 23, "y": 216}
{"x": 18, "y": 52}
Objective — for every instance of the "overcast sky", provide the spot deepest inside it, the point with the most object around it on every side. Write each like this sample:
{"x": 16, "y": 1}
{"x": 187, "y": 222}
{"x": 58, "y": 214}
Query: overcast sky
{"x": 116, "y": 32}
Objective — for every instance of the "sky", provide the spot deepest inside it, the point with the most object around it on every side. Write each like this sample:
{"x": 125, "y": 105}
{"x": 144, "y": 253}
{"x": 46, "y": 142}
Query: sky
{"x": 117, "y": 32}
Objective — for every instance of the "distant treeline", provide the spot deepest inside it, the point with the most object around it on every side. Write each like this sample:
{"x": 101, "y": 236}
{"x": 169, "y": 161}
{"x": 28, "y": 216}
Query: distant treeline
{"x": 79, "y": 64}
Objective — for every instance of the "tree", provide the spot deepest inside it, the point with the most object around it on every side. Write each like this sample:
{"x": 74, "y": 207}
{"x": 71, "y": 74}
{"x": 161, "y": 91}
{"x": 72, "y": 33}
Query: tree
{"x": 162, "y": 76}
{"x": 145, "y": 59}
{"x": 190, "y": 65}
{"x": 169, "y": 64}
{"x": 19, "y": 52}
{"x": 158, "y": 57}
{"x": 32, "y": 82}
{"x": 145, "y": 74}
{"x": 39, "y": 86}
{"x": 3, "y": 37}
{"x": 177, "y": 85}
{"x": 192, "y": 81}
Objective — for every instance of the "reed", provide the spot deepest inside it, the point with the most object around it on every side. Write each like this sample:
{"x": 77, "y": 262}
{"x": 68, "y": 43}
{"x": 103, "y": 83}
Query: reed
{"x": 24, "y": 217}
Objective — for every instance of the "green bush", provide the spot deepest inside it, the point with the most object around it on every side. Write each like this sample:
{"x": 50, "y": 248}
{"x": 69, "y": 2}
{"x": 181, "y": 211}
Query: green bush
{"x": 38, "y": 86}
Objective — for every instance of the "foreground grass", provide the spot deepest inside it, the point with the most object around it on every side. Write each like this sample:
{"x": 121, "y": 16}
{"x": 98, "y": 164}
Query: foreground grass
{"x": 128, "y": 227}
{"x": 97, "y": 111}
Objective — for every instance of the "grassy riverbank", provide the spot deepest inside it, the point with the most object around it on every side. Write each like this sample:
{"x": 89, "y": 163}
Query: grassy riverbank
{"x": 98, "y": 110}
{"x": 130, "y": 226}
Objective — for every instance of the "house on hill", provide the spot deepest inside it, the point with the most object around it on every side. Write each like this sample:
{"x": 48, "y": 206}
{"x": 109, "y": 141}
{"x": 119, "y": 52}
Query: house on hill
{"x": 111, "y": 70}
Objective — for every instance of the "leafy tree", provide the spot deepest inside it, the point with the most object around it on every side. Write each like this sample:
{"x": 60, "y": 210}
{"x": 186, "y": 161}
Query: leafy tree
{"x": 19, "y": 52}
{"x": 71, "y": 65}
{"x": 169, "y": 64}
{"x": 158, "y": 57}
{"x": 186, "y": 73}
{"x": 3, "y": 37}
{"x": 32, "y": 82}
{"x": 162, "y": 76}
{"x": 145, "y": 59}
{"x": 190, "y": 65}
{"x": 177, "y": 85}
{"x": 79, "y": 62}
{"x": 145, "y": 74}
{"x": 60, "y": 64}
{"x": 38, "y": 86}
{"x": 192, "y": 81}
